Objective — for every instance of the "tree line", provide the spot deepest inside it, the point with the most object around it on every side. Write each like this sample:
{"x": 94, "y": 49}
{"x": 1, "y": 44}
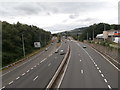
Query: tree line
{"x": 96, "y": 29}
{"x": 12, "y": 48}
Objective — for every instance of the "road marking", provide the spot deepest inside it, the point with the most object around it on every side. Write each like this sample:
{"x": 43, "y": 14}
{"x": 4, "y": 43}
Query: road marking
{"x": 49, "y": 64}
{"x": 82, "y": 71}
{"x": 38, "y": 64}
{"x": 102, "y": 75}
{"x": 11, "y": 82}
{"x": 2, "y": 87}
{"x": 96, "y": 65}
{"x": 35, "y": 78}
{"x": 64, "y": 70}
{"x": 98, "y": 68}
{"x": 20, "y": 65}
{"x": 23, "y": 74}
{"x": 35, "y": 66}
{"x": 80, "y": 60}
{"x": 109, "y": 87}
{"x": 31, "y": 68}
{"x": 99, "y": 71}
{"x": 105, "y": 80}
{"x": 28, "y": 70}
{"x": 17, "y": 78}
{"x": 107, "y": 59}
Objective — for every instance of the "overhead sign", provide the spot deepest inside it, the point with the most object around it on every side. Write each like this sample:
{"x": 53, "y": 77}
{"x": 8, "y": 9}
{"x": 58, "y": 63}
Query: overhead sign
{"x": 37, "y": 44}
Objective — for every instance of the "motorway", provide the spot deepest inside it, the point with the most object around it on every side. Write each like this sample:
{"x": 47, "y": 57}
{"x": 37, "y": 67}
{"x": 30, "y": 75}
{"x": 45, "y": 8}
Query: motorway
{"x": 86, "y": 69}
{"x": 36, "y": 72}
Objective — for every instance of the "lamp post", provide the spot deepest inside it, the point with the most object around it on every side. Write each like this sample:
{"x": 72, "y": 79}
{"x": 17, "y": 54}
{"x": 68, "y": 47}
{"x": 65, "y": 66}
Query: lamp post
{"x": 23, "y": 45}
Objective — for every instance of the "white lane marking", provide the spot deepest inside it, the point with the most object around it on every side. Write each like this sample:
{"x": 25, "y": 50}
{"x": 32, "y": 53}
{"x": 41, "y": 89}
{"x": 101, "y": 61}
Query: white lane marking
{"x": 38, "y": 64}
{"x": 19, "y": 65}
{"x": 102, "y": 75}
{"x": 49, "y": 64}
{"x": 10, "y": 82}
{"x": 35, "y": 78}
{"x": 99, "y": 71}
{"x": 96, "y": 65}
{"x": 17, "y": 78}
{"x": 106, "y": 59}
{"x": 23, "y": 74}
{"x": 105, "y": 80}
{"x": 2, "y": 87}
{"x": 80, "y": 60}
{"x": 109, "y": 87}
{"x": 82, "y": 71}
{"x": 31, "y": 68}
{"x": 35, "y": 66}
{"x": 64, "y": 70}
{"x": 98, "y": 68}
{"x": 28, "y": 70}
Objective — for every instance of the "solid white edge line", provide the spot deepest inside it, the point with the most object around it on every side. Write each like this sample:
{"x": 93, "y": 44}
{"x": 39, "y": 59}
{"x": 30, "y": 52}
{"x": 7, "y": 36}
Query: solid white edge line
{"x": 19, "y": 65}
{"x": 106, "y": 59}
{"x": 64, "y": 71}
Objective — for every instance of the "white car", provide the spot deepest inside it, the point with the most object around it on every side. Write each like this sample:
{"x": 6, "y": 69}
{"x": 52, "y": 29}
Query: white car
{"x": 84, "y": 46}
{"x": 62, "y": 52}
{"x": 46, "y": 49}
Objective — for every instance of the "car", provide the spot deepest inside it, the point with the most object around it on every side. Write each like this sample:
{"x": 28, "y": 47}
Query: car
{"x": 62, "y": 52}
{"x": 46, "y": 49}
{"x": 84, "y": 46}
{"x": 56, "y": 51}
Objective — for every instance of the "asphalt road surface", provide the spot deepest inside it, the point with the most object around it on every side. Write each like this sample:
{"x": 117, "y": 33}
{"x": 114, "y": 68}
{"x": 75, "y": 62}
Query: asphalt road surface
{"x": 88, "y": 69}
{"x": 36, "y": 72}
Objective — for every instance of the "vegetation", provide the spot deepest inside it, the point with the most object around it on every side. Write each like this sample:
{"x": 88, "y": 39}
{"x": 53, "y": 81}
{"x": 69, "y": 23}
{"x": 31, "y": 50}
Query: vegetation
{"x": 12, "y": 49}
{"x": 81, "y": 33}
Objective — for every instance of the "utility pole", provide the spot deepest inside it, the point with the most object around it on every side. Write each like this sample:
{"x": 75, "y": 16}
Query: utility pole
{"x": 87, "y": 36}
{"x": 23, "y": 45}
{"x": 93, "y": 34}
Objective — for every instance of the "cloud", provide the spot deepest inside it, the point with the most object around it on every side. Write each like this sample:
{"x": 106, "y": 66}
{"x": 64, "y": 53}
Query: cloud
{"x": 58, "y": 16}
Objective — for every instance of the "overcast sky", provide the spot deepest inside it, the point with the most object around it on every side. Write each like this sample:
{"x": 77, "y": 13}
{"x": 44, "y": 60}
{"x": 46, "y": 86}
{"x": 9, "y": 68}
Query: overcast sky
{"x": 60, "y": 16}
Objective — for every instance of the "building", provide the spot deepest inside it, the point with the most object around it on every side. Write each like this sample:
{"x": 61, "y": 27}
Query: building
{"x": 112, "y": 35}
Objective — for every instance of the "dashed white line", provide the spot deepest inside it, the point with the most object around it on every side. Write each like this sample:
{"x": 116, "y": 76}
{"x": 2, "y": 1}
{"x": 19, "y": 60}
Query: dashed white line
{"x": 23, "y": 74}
{"x": 49, "y": 64}
{"x": 109, "y": 87}
{"x": 38, "y": 64}
{"x": 28, "y": 70}
{"x": 80, "y": 60}
{"x": 31, "y": 68}
{"x": 99, "y": 71}
{"x": 2, "y": 87}
{"x": 35, "y": 66}
{"x": 35, "y": 78}
{"x": 82, "y": 71}
{"x": 96, "y": 65}
{"x": 10, "y": 82}
{"x": 105, "y": 80}
{"x": 17, "y": 78}
{"x": 98, "y": 68}
{"x": 102, "y": 75}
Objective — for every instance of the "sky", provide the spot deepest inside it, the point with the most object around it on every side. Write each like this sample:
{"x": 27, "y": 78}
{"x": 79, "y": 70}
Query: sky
{"x": 57, "y": 16}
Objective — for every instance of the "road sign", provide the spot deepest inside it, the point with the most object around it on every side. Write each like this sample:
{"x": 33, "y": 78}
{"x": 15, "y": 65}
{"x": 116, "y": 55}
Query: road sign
{"x": 37, "y": 44}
